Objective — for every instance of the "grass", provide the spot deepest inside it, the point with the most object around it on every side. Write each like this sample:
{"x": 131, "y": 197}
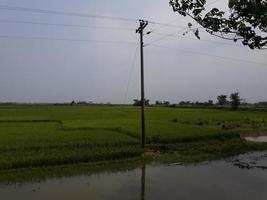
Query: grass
{"x": 207, "y": 150}
{"x": 18, "y": 176}
{"x": 46, "y": 135}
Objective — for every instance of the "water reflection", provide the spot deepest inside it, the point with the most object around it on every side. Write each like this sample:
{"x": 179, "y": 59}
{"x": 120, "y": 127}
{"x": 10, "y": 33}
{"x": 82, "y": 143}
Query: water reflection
{"x": 143, "y": 181}
{"x": 256, "y": 138}
{"x": 215, "y": 180}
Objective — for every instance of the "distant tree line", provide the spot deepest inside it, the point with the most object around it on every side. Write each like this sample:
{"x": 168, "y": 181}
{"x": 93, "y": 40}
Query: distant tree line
{"x": 234, "y": 102}
{"x": 197, "y": 103}
{"x": 222, "y": 100}
{"x": 138, "y": 102}
{"x": 261, "y": 104}
{"x": 72, "y": 103}
{"x": 165, "y": 103}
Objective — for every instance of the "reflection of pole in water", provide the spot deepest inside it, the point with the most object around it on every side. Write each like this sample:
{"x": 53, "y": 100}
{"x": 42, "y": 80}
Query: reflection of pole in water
{"x": 143, "y": 181}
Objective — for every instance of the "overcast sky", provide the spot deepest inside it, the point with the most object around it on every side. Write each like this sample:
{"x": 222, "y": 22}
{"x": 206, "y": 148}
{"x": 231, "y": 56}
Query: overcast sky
{"x": 62, "y": 71}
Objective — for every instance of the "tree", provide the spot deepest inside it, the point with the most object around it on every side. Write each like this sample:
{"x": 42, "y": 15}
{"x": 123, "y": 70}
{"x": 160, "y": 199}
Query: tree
{"x": 158, "y": 102}
{"x": 138, "y": 102}
{"x": 235, "y": 100}
{"x": 222, "y": 100}
{"x": 247, "y": 20}
{"x": 166, "y": 103}
{"x": 210, "y": 103}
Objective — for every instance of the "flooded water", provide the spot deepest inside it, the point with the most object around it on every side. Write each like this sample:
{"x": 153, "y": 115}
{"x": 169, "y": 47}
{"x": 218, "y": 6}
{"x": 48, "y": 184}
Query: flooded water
{"x": 257, "y": 139}
{"x": 242, "y": 177}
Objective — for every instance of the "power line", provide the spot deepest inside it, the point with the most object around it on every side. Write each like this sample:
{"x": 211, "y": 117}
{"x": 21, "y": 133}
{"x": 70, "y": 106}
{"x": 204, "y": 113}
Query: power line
{"x": 130, "y": 73}
{"x": 201, "y": 40}
{"x": 161, "y": 38}
{"x": 210, "y": 55}
{"x": 173, "y": 35}
{"x": 172, "y": 25}
{"x": 67, "y": 39}
{"x": 165, "y": 24}
{"x": 42, "y": 11}
{"x": 169, "y": 24}
{"x": 66, "y": 25}
{"x": 130, "y": 43}
{"x": 211, "y": 41}
{"x": 74, "y": 14}
{"x": 165, "y": 36}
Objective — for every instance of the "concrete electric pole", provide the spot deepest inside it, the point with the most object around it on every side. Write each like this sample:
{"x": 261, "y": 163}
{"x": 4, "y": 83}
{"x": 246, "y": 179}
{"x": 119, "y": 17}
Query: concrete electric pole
{"x": 140, "y": 30}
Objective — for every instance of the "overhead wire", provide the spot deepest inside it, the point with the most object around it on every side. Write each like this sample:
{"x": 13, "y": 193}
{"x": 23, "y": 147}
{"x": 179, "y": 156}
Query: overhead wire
{"x": 23, "y": 9}
{"x": 201, "y": 40}
{"x": 43, "y": 11}
{"x": 74, "y": 14}
{"x": 67, "y": 39}
{"x": 130, "y": 74}
{"x": 165, "y": 36}
{"x": 106, "y": 28}
{"x": 66, "y": 25}
{"x": 170, "y": 24}
{"x": 103, "y": 27}
{"x": 161, "y": 26}
{"x": 165, "y": 24}
{"x": 161, "y": 38}
{"x": 210, "y": 55}
{"x": 130, "y": 43}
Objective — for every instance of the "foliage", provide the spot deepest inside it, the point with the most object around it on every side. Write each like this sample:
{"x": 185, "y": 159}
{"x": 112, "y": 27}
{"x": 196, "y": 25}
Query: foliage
{"x": 235, "y": 100}
{"x": 139, "y": 103}
{"x": 246, "y": 21}
{"x": 222, "y": 100}
{"x": 197, "y": 103}
{"x": 207, "y": 150}
{"x": 165, "y": 103}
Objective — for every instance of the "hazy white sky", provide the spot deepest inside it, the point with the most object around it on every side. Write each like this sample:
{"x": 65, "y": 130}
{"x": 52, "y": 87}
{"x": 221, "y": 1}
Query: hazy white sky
{"x": 61, "y": 71}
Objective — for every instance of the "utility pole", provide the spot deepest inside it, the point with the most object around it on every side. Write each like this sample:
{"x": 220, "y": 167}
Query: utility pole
{"x": 140, "y": 30}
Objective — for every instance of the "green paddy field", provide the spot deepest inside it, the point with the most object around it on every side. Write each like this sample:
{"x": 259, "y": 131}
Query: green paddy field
{"x": 49, "y": 135}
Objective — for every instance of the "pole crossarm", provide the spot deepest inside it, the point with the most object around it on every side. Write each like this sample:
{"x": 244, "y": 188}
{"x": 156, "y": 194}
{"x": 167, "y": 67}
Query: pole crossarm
{"x": 142, "y": 26}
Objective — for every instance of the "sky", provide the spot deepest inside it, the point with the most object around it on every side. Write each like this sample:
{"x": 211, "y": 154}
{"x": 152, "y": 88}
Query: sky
{"x": 78, "y": 68}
